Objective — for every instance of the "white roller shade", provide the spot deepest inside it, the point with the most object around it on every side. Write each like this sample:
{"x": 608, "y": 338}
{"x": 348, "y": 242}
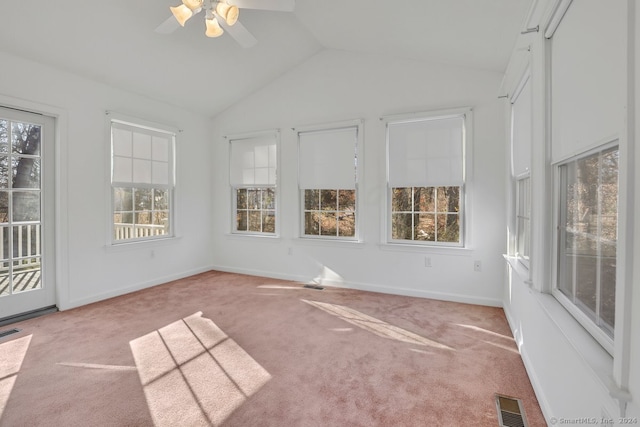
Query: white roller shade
{"x": 521, "y": 130}
{"x": 327, "y": 159}
{"x": 140, "y": 155}
{"x": 588, "y": 65}
{"x": 426, "y": 153}
{"x": 253, "y": 161}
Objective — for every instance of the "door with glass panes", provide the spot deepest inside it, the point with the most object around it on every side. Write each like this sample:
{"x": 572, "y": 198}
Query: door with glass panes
{"x": 26, "y": 212}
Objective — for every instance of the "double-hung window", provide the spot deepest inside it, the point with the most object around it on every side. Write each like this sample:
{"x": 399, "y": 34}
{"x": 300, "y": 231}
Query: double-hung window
{"x": 142, "y": 181}
{"x": 426, "y": 179}
{"x": 253, "y": 178}
{"x": 586, "y": 152}
{"x": 521, "y": 134}
{"x": 327, "y": 172}
{"x": 588, "y": 234}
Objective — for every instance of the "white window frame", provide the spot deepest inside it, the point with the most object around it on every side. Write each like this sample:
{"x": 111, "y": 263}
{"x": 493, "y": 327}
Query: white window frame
{"x": 152, "y": 127}
{"x": 275, "y": 134}
{"x": 358, "y": 156}
{"x": 467, "y": 134}
{"x": 606, "y": 341}
{"x": 523, "y": 220}
{"x": 521, "y": 174}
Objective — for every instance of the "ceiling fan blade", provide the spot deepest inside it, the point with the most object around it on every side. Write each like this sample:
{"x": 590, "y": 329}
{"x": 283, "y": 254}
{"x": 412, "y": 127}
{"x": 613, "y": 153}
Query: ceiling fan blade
{"x": 240, "y": 34}
{"x": 168, "y": 26}
{"x": 279, "y": 5}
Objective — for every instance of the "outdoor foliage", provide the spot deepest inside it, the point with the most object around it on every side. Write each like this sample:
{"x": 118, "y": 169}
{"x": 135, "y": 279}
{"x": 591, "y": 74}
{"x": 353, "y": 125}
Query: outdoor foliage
{"x": 330, "y": 213}
{"x": 256, "y": 210}
{"x": 591, "y": 235}
{"x": 430, "y": 214}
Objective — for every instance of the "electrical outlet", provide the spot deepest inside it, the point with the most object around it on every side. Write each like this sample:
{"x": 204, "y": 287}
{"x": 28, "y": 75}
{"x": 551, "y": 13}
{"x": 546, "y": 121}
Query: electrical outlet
{"x": 477, "y": 265}
{"x": 427, "y": 261}
{"x": 290, "y": 250}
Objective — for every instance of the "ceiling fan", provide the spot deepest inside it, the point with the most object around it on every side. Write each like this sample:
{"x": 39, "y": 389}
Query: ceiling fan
{"x": 221, "y": 15}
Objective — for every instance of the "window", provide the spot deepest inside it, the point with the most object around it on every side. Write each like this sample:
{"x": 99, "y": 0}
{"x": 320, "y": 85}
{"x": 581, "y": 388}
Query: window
{"x": 523, "y": 219}
{"x": 253, "y": 168}
{"x": 521, "y": 136}
{"x": 328, "y": 181}
{"x": 142, "y": 181}
{"x": 587, "y": 238}
{"x": 426, "y": 179}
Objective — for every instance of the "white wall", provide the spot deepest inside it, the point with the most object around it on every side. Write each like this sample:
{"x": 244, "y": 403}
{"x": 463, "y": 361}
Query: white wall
{"x": 573, "y": 376}
{"x": 87, "y": 269}
{"x": 335, "y": 86}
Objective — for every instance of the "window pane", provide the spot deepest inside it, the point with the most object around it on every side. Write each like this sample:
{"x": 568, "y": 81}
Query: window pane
{"x": 424, "y": 199}
{"x": 25, "y": 138}
{"x": 402, "y": 226}
{"x": 241, "y": 198}
{"x": 329, "y": 200}
{"x": 122, "y": 199}
{"x": 425, "y": 227}
{"x": 160, "y": 199}
{"x": 253, "y": 198}
{"x": 160, "y": 218}
{"x": 586, "y": 273}
{"x": 311, "y": 223}
{"x": 608, "y": 284}
{"x": 268, "y": 199}
{"x": 4, "y": 207}
{"x": 449, "y": 228}
{"x": 328, "y": 224}
{"x": 4, "y": 245}
{"x": 312, "y": 199}
{"x": 347, "y": 224}
{"x": 347, "y": 200}
{"x": 448, "y": 199}
{"x": 4, "y": 172}
{"x": 401, "y": 200}
{"x": 26, "y": 206}
{"x": 143, "y": 217}
{"x": 269, "y": 221}
{"x": 255, "y": 221}
{"x": 26, "y": 172}
{"x": 142, "y": 199}
{"x": 242, "y": 221}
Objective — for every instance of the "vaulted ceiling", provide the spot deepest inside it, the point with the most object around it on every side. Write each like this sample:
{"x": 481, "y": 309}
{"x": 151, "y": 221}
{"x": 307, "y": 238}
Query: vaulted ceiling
{"x": 114, "y": 41}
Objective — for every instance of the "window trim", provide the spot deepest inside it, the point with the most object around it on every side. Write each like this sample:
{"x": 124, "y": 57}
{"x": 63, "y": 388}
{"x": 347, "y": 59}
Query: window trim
{"x": 525, "y": 260}
{"x": 125, "y": 119}
{"x": 467, "y": 153}
{"x": 233, "y": 231}
{"x": 582, "y": 318}
{"x": 359, "y": 157}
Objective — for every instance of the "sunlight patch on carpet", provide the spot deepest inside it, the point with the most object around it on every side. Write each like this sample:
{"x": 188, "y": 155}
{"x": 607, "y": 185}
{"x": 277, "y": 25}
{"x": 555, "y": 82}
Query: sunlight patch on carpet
{"x": 485, "y": 331}
{"x": 12, "y": 354}
{"x": 98, "y": 366}
{"x": 375, "y": 326}
{"x": 192, "y": 373}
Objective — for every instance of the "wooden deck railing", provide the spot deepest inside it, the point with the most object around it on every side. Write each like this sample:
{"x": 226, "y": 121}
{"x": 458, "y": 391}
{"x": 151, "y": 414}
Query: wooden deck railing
{"x": 134, "y": 231}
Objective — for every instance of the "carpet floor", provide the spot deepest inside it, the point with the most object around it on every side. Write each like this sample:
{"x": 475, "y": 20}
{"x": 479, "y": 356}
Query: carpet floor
{"x": 226, "y": 349}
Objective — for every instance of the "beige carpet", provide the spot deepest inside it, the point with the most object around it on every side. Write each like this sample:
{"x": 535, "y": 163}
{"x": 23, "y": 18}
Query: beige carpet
{"x": 233, "y": 350}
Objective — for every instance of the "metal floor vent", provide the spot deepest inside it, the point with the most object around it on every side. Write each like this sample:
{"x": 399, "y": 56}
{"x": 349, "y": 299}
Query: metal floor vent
{"x": 510, "y": 412}
{"x": 9, "y": 332}
{"x": 311, "y": 286}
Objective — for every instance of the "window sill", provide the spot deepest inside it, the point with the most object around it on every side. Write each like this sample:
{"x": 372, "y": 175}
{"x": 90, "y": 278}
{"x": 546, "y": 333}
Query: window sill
{"x": 142, "y": 244}
{"x": 313, "y": 241}
{"x": 252, "y": 236}
{"x": 432, "y": 249}
{"x": 520, "y": 269}
{"x": 593, "y": 355}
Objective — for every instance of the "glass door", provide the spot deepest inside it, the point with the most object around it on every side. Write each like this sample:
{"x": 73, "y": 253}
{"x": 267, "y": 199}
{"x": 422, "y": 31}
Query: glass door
{"x": 26, "y": 209}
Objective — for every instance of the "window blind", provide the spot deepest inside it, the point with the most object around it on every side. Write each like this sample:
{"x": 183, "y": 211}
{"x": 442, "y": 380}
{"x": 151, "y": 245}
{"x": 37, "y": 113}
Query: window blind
{"x": 140, "y": 155}
{"x": 521, "y": 131}
{"x": 587, "y": 77}
{"x": 253, "y": 162}
{"x": 427, "y": 152}
{"x": 327, "y": 159}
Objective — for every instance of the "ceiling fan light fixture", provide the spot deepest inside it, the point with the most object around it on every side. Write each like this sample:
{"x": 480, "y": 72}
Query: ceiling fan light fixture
{"x": 193, "y": 4}
{"x": 213, "y": 28}
{"x": 182, "y": 13}
{"x": 227, "y": 12}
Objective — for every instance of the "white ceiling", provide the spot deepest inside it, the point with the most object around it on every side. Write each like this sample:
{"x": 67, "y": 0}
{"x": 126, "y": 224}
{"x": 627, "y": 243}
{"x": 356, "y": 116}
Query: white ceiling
{"x": 114, "y": 41}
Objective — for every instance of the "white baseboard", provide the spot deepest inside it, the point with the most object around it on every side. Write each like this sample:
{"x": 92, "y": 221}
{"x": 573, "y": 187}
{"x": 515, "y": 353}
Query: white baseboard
{"x": 73, "y": 303}
{"x": 444, "y": 296}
